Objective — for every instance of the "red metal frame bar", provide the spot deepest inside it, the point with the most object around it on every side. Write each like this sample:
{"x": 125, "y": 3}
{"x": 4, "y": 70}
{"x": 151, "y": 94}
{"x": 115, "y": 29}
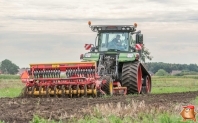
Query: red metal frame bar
{"x": 77, "y": 77}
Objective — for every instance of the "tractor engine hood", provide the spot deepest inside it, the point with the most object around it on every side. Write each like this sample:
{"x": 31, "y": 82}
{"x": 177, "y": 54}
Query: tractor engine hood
{"x": 123, "y": 57}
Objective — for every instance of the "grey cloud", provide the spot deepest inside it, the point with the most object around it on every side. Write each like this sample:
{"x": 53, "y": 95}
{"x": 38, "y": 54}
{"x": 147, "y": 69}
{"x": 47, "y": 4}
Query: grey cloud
{"x": 173, "y": 2}
{"x": 33, "y": 48}
{"x": 158, "y": 17}
{"x": 163, "y": 1}
{"x": 50, "y": 31}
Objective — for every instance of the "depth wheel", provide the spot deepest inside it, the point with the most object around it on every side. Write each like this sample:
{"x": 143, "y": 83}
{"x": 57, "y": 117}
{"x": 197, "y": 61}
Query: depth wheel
{"x": 146, "y": 87}
{"x": 132, "y": 77}
{"x": 108, "y": 86}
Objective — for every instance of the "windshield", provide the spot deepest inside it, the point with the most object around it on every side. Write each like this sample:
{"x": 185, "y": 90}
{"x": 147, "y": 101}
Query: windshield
{"x": 114, "y": 41}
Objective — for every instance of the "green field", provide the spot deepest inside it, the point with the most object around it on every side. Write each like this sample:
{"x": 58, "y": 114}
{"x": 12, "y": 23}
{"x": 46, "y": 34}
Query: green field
{"x": 11, "y": 86}
{"x": 174, "y": 84}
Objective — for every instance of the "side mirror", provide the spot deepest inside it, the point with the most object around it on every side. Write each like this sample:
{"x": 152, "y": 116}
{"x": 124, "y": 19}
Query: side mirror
{"x": 139, "y": 38}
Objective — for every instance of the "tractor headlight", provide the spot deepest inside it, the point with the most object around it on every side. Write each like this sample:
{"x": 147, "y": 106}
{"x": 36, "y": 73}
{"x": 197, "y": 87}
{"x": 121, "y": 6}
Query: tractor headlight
{"x": 128, "y": 28}
{"x": 130, "y": 55}
{"x": 123, "y": 28}
{"x": 88, "y": 55}
{"x": 99, "y": 29}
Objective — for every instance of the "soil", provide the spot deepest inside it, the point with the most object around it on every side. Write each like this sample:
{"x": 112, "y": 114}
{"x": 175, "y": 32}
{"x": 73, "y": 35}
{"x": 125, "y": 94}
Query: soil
{"x": 21, "y": 110}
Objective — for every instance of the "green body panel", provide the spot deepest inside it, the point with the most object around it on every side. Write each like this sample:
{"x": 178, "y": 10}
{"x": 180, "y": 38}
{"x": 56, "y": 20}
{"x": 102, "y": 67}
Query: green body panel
{"x": 123, "y": 57}
{"x": 93, "y": 57}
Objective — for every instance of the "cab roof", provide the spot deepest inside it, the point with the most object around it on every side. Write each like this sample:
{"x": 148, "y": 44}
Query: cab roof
{"x": 113, "y": 28}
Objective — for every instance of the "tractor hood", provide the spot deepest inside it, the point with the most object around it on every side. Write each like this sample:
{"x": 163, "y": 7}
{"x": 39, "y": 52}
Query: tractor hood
{"x": 123, "y": 57}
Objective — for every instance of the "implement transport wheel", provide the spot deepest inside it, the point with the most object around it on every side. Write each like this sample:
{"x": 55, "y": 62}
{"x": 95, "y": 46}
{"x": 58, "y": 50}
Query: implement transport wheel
{"x": 132, "y": 77}
{"x": 146, "y": 87}
{"x": 108, "y": 86}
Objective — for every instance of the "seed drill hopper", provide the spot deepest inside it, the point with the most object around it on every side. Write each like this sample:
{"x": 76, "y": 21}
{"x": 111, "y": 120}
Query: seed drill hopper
{"x": 112, "y": 66}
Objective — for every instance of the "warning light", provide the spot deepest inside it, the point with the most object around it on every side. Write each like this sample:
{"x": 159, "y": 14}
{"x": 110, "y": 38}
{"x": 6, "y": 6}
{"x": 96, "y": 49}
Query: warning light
{"x": 89, "y": 23}
{"x": 135, "y": 25}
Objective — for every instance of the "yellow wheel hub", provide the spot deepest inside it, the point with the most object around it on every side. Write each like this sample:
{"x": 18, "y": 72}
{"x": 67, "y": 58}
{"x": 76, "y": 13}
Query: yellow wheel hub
{"x": 111, "y": 88}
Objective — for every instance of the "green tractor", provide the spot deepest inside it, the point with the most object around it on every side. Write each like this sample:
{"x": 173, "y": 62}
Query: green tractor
{"x": 117, "y": 53}
{"x": 112, "y": 66}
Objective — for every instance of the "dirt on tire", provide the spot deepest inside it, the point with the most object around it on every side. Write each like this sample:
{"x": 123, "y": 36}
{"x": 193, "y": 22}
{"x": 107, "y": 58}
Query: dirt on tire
{"x": 21, "y": 110}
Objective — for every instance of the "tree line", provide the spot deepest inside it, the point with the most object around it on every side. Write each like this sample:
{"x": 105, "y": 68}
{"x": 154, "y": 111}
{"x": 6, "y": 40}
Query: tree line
{"x": 7, "y": 67}
{"x": 169, "y": 67}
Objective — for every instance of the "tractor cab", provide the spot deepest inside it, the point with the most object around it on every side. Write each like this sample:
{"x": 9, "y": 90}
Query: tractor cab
{"x": 122, "y": 38}
{"x": 113, "y": 41}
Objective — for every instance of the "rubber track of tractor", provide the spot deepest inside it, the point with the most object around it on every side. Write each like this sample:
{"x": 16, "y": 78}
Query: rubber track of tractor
{"x": 129, "y": 77}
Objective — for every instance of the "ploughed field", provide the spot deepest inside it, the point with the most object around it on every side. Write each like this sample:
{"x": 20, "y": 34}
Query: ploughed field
{"x": 21, "y": 110}
{"x": 169, "y": 94}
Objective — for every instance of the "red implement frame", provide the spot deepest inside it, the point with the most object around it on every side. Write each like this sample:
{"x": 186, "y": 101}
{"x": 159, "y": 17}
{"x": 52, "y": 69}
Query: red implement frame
{"x": 78, "y": 74}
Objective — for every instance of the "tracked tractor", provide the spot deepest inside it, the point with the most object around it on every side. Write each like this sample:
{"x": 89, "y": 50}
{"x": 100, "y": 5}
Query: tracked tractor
{"x": 112, "y": 66}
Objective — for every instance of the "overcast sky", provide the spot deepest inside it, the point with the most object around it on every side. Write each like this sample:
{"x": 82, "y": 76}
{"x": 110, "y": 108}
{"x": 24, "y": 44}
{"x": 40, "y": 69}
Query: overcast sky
{"x": 39, "y": 31}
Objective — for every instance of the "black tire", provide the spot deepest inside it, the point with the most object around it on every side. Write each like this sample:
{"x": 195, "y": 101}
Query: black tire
{"x": 106, "y": 86}
{"x": 132, "y": 77}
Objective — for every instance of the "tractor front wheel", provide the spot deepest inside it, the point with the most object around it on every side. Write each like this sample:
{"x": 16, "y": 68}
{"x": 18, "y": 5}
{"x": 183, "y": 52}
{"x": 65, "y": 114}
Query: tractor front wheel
{"x": 132, "y": 77}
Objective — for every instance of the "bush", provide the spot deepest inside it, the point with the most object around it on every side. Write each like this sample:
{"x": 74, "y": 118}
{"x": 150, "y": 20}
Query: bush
{"x": 161, "y": 72}
{"x": 187, "y": 73}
